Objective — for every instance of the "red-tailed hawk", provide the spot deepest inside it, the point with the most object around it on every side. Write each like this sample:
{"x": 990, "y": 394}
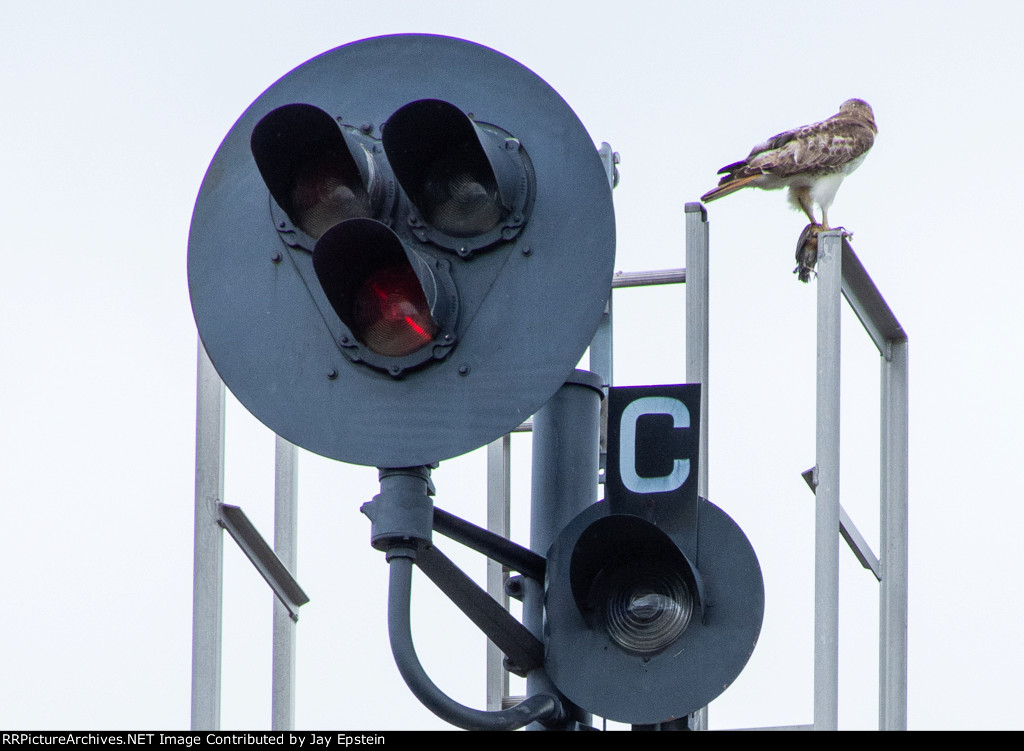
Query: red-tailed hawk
{"x": 811, "y": 161}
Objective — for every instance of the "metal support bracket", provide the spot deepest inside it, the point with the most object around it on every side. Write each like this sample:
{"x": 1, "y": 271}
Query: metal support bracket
{"x": 494, "y": 546}
{"x": 263, "y": 557}
{"x": 524, "y": 650}
{"x": 850, "y": 533}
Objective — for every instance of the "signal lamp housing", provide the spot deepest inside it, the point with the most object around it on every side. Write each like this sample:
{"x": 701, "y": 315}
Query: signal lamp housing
{"x": 318, "y": 174}
{"x": 399, "y": 305}
{"x": 472, "y": 184}
{"x": 630, "y": 579}
{"x": 640, "y": 625}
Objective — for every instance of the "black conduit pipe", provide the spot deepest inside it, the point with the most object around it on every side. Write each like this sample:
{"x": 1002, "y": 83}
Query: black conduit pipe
{"x": 534, "y": 709}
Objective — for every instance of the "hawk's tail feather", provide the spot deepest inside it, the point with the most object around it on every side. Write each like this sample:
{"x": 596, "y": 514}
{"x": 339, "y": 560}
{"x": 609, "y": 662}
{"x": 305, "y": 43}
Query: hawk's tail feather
{"x": 729, "y": 187}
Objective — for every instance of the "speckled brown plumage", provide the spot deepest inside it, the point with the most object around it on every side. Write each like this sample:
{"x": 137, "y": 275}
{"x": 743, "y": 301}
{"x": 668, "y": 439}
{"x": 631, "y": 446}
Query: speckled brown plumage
{"x": 811, "y": 160}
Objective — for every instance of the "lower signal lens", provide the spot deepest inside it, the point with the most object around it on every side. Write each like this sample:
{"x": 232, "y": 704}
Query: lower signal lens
{"x": 391, "y": 314}
{"x": 647, "y": 612}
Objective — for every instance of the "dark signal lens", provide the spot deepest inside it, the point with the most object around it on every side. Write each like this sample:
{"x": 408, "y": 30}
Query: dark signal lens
{"x": 321, "y": 198}
{"x": 630, "y": 577}
{"x": 306, "y": 163}
{"x": 648, "y": 609}
{"x": 460, "y": 196}
{"x": 464, "y": 179}
{"x": 390, "y": 312}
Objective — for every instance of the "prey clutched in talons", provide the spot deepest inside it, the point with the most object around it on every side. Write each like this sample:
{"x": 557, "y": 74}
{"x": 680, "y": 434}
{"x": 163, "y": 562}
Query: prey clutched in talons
{"x": 807, "y": 251}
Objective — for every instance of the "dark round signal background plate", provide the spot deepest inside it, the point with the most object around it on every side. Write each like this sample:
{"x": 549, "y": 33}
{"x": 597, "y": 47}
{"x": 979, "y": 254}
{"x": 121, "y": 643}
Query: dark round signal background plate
{"x": 518, "y": 337}
{"x": 594, "y": 673}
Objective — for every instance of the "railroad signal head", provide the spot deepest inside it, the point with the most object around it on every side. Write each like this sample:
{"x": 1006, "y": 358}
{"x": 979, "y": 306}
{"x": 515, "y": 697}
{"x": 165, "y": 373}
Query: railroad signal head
{"x": 391, "y": 266}
{"x": 642, "y": 628}
{"x": 654, "y": 597}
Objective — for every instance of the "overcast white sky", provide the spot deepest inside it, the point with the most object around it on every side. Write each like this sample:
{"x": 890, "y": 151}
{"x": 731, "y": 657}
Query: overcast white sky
{"x": 109, "y": 115}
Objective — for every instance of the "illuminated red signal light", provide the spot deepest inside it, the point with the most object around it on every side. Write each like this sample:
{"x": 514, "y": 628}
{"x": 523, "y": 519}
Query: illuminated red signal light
{"x": 400, "y": 306}
{"x": 390, "y": 312}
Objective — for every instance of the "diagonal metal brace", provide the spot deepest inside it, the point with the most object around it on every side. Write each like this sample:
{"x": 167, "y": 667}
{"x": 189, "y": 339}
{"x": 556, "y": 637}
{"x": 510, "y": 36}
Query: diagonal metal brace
{"x": 849, "y": 531}
{"x": 494, "y": 546}
{"x": 263, "y": 557}
{"x": 868, "y": 304}
{"x": 524, "y": 650}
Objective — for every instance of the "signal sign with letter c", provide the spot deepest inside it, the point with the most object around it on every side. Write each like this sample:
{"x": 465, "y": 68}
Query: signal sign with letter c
{"x": 653, "y": 446}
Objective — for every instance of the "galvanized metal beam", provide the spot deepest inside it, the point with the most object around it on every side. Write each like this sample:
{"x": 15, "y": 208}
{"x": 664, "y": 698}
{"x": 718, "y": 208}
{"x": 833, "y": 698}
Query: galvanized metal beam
{"x": 894, "y": 602}
{"x": 601, "y": 348}
{"x": 260, "y": 554}
{"x": 208, "y": 575}
{"x": 208, "y": 551}
{"x": 826, "y": 518}
{"x": 697, "y": 278}
{"x": 860, "y": 547}
{"x": 499, "y": 505}
{"x": 286, "y": 533}
{"x": 868, "y": 304}
{"x": 651, "y": 278}
{"x": 841, "y": 272}
{"x": 889, "y": 337}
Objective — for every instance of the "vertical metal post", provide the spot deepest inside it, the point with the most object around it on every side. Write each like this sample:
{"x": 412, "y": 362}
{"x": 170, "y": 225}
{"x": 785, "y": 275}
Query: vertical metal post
{"x": 826, "y": 519}
{"x": 601, "y": 357}
{"x": 602, "y": 363}
{"x": 286, "y": 532}
{"x": 892, "y": 670}
{"x": 499, "y": 491}
{"x": 697, "y": 320}
{"x": 564, "y": 483}
{"x": 602, "y": 350}
{"x": 208, "y": 552}
{"x": 697, "y": 317}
